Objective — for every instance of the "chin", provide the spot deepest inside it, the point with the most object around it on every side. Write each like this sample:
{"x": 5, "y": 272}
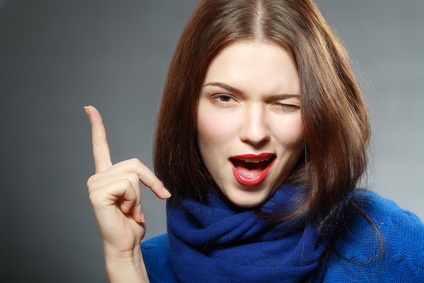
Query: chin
{"x": 246, "y": 198}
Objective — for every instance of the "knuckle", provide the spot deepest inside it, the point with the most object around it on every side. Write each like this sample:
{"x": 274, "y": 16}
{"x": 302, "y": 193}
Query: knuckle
{"x": 136, "y": 162}
{"x": 133, "y": 178}
{"x": 97, "y": 122}
{"x": 91, "y": 180}
{"x": 94, "y": 196}
{"x": 125, "y": 183}
{"x": 101, "y": 142}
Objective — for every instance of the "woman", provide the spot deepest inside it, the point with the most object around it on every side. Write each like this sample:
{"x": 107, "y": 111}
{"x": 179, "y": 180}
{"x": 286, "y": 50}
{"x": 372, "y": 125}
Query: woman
{"x": 261, "y": 139}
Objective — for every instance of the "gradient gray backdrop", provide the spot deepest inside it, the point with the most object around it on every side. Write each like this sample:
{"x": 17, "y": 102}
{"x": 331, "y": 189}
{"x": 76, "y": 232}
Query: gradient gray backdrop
{"x": 57, "y": 56}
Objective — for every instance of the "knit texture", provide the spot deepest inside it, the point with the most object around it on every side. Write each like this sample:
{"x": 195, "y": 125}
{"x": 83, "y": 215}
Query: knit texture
{"x": 357, "y": 255}
{"x": 235, "y": 244}
{"x": 401, "y": 259}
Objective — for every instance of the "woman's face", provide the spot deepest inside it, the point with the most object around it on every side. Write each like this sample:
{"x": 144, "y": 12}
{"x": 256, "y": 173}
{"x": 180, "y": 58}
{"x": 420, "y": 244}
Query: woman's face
{"x": 249, "y": 121}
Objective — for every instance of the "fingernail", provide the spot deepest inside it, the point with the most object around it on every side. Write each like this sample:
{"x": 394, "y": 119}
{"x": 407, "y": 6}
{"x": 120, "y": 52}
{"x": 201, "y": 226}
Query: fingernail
{"x": 86, "y": 110}
{"x": 141, "y": 214}
{"x": 166, "y": 192}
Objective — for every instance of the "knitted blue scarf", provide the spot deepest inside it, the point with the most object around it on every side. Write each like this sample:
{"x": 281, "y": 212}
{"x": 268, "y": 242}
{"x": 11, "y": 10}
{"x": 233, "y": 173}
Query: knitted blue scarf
{"x": 217, "y": 242}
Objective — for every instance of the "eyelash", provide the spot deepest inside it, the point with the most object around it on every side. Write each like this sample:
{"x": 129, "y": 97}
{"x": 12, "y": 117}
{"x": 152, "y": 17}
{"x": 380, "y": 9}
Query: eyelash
{"x": 229, "y": 98}
{"x": 220, "y": 96}
{"x": 288, "y": 106}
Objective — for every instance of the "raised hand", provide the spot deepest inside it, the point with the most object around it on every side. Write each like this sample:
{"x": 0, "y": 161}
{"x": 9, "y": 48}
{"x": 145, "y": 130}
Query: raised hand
{"x": 115, "y": 196}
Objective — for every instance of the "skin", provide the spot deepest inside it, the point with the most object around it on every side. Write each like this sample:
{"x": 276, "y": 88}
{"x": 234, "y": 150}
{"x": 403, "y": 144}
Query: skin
{"x": 114, "y": 193}
{"x": 250, "y": 104}
{"x": 251, "y": 120}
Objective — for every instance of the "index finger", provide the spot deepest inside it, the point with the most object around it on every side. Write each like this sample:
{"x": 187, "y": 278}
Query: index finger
{"x": 101, "y": 153}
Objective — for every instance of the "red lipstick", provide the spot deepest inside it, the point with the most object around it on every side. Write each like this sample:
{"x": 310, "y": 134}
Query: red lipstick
{"x": 251, "y": 169}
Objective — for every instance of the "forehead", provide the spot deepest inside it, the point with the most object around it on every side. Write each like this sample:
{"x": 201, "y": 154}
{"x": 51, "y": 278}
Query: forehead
{"x": 257, "y": 66}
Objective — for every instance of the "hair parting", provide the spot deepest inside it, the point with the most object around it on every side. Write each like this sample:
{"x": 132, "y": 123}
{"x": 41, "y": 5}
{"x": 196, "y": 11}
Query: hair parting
{"x": 334, "y": 117}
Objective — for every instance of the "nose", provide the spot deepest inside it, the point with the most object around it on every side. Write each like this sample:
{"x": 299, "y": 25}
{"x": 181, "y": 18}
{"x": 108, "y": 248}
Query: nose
{"x": 255, "y": 129}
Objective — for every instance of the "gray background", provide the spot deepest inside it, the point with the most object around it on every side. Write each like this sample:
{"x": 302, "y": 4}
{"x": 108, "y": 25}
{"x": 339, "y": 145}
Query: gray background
{"x": 57, "y": 56}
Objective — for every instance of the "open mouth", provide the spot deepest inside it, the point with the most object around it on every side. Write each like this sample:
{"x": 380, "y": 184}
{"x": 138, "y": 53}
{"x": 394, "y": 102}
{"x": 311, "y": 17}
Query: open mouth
{"x": 249, "y": 169}
{"x": 252, "y": 166}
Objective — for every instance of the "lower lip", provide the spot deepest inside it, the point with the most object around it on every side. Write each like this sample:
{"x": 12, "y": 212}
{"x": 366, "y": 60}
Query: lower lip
{"x": 251, "y": 181}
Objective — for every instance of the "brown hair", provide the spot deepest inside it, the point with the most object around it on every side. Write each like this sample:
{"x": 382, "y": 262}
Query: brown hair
{"x": 335, "y": 122}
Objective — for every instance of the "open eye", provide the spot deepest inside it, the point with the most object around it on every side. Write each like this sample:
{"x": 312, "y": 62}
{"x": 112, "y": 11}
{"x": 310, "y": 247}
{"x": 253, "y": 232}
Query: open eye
{"x": 223, "y": 98}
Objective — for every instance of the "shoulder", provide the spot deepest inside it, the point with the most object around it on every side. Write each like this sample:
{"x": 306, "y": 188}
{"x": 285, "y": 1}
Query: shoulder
{"x": 392, "y": 249}
{"x": 157, "y": 259}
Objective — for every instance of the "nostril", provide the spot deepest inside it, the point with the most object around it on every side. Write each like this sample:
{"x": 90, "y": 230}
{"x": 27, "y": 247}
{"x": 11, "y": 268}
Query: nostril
{"x": 255, "y": 129}
{"x": 256, "y": 140}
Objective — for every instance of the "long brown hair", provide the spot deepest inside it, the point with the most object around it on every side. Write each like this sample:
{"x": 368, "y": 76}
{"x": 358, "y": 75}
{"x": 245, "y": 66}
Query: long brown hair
{"x": 335, "y": 122}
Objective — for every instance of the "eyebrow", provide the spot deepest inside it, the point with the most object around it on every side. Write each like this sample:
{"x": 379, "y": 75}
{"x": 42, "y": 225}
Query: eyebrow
{"x": 283, "y": 96}
{"x": 239, "y": 92}
{"x": 225, "y": 86}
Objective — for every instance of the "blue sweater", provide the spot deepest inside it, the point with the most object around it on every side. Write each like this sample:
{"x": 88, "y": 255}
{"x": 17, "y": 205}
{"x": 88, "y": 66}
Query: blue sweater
{"x": 356, "y": 255}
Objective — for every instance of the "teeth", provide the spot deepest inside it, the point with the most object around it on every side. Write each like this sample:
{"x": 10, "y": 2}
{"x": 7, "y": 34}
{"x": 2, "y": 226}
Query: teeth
{"x": 256, "y": 160}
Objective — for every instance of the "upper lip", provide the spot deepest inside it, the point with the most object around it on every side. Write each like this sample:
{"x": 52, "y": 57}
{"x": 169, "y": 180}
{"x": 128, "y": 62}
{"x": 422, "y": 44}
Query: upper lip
{"x": 254, "y": 157}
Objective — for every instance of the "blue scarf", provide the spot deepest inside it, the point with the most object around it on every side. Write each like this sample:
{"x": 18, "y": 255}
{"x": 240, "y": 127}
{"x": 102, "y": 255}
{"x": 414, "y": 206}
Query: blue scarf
{"x": 217, "y": 242}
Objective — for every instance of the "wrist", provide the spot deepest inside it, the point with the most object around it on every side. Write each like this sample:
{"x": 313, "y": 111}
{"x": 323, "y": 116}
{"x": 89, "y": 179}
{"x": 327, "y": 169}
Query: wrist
{"x": 125, "y": 266}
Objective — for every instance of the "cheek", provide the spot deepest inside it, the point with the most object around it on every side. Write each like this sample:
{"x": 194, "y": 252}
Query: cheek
{"x": 289, "y": 131}
{"x": 213, "y": 130}
{"x": 206, "y": 127}
{"x": 214, "y": 134}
